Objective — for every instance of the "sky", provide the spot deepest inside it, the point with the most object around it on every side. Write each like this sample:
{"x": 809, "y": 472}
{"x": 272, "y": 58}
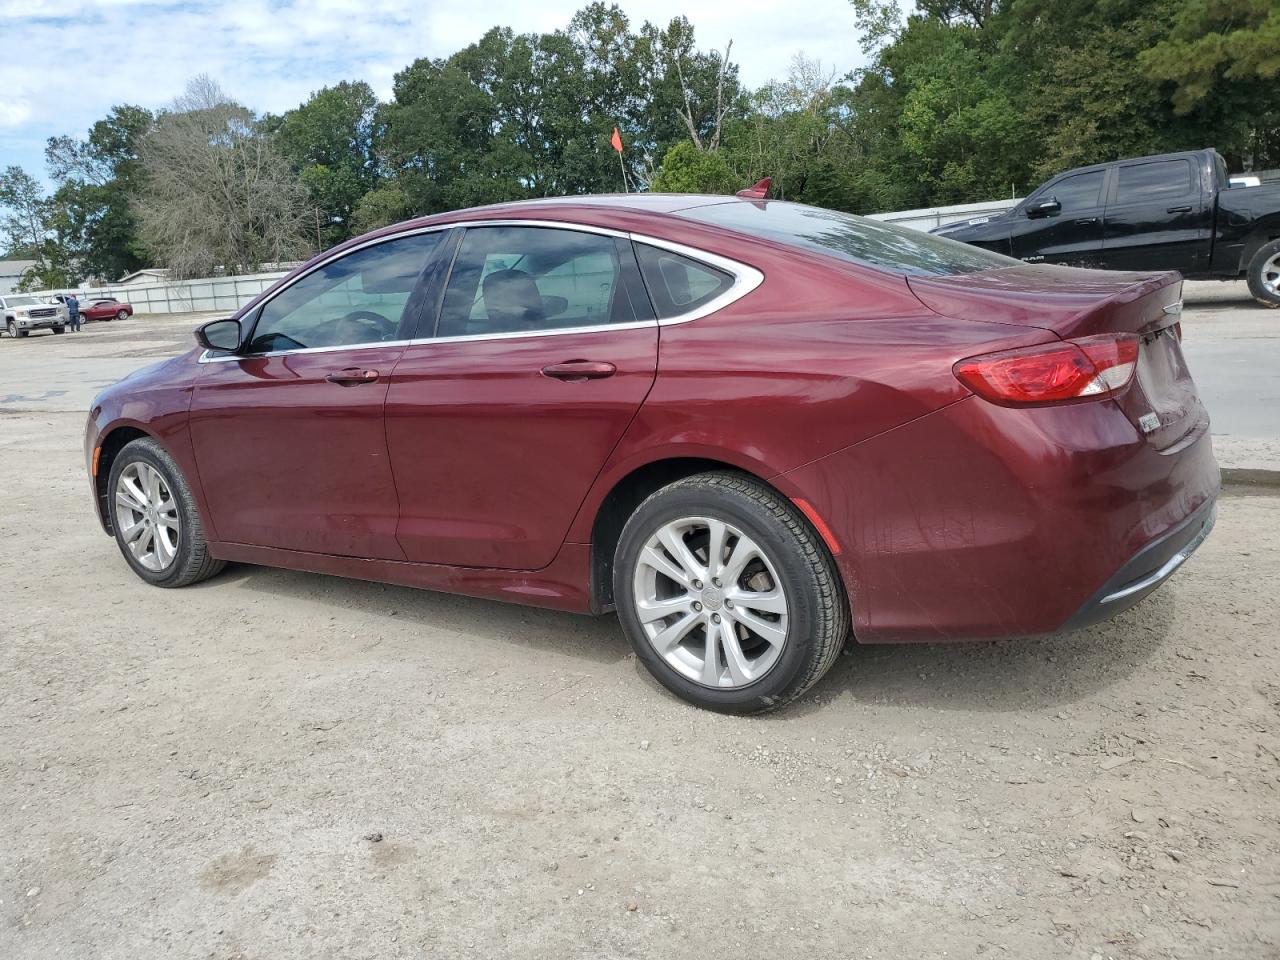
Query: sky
{"x": 93, "y": 54}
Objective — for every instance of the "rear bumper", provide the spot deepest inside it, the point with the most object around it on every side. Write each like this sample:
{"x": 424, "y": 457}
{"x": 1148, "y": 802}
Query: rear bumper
{"x": 977, "y": 521}
{"x": 1147, "y": 570}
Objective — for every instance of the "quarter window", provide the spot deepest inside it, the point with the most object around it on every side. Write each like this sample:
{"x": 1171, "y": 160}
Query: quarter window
{"x": 1162, "y": 180}
{"x": 358, "y": 298}
{"x": 531, "y": 279}
{"x": 677, "y": 284}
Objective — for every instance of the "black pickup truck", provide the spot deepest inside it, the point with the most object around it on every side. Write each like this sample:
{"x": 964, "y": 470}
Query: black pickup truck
{"x": 1176, "y": 211}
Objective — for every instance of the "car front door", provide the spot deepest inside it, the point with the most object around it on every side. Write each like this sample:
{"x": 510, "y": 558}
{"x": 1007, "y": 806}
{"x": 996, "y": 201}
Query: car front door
{"x": 544, "y": 348}
{"x": 1070, "y": 230}
{"x": 288, "y": 432}
{"x": 1159, "y": 218}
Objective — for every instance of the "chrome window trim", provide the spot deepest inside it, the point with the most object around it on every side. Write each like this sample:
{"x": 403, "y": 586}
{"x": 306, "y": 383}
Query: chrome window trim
{"x": 745, "y": 279}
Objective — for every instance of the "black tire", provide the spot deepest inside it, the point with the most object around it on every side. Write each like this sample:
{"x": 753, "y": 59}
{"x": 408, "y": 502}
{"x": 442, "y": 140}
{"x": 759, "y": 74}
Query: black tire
{"x": 13, "y": 330}
{"x": 818, "y": 609}
{"x": 122, "y": 314}
{"x": 59, "y": 329}
{"x": 192, "y": 562}
{"x": 1263, "y": 271}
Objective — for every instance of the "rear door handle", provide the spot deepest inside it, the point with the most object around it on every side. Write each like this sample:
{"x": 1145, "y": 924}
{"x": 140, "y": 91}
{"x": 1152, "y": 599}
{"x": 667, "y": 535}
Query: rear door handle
{"x": 1178, "y": 210}
{"x": 1085, "y": 221}
{"x": 352, "y": 376}
{"x": 575, "y": 370}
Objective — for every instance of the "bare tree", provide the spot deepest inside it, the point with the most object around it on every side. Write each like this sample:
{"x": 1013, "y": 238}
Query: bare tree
{"x": 712, "y": 142}
{"x": 215, "y": 191}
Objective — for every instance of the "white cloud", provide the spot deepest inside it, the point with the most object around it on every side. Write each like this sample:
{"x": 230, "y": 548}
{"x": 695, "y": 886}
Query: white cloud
{"x": 271, "y": 56}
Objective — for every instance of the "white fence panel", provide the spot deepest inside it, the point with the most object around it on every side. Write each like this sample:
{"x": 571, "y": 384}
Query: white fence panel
{"x": 931, "y": 217}
{"x": 221, "y": 294}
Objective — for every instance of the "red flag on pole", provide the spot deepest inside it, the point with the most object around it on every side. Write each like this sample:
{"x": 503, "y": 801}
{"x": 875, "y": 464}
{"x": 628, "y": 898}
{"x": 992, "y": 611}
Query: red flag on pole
{"x": 616, "y": 140}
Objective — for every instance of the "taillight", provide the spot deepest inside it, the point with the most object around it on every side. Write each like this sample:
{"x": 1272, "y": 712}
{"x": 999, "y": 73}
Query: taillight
{"x": 1066, "y": 372}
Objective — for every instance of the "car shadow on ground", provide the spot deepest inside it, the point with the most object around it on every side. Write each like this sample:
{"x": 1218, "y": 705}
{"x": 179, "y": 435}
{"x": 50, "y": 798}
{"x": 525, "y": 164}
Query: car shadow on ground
{"x": 994, "y": 676}
{"x": 1010, "y": 675}
{"x": 381, "y": 606}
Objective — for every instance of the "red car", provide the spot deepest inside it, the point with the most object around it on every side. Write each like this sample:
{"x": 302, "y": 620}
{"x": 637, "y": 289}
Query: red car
{"x": 105, "y": 310}
{"x": 748, "y": 426}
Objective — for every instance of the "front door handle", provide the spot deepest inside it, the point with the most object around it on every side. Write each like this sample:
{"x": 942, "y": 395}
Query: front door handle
{"x": 1085, "y": 221}
{"x": 1178, "y": 210}
{"x": 576, "y": 370}
{"x": 352, "y": 376}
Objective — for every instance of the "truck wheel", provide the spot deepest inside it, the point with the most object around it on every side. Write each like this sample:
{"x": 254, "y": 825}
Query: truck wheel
{"x": 13, "y": 330}
{"x": 1264, "y": 275}
{"x": 59, "y": 329}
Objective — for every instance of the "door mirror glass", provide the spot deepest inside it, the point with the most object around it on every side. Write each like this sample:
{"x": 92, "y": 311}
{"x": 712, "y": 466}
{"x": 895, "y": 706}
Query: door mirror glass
{"x": 1044, "y": 208}
{"x": 219, "y": 335}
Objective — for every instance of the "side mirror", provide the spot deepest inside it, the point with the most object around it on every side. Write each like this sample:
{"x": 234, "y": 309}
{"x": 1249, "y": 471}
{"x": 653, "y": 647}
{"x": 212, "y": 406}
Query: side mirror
{"x": 1047, "y": 207}
{"x": 221, "y": 335}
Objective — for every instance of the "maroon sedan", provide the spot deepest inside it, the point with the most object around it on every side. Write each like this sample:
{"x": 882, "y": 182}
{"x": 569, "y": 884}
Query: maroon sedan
{"x": 105, "y": 310}
{"x": 749, "y": 426}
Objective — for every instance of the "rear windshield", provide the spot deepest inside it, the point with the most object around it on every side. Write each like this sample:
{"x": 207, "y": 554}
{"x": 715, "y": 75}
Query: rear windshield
{"x": 859, "y": 239}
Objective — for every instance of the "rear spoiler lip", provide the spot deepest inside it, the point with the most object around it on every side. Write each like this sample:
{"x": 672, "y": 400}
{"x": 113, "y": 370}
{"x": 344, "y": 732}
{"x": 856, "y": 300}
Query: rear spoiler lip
{"x": 1074, "y": 313}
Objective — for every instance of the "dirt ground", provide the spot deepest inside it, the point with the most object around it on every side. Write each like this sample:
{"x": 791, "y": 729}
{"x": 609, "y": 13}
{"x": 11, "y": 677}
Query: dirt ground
{"x": 277, "y": 764}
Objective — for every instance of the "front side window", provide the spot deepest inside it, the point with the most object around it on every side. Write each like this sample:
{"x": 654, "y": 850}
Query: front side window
{"x": 358, "y": 298}
{"x": 1162, "y": 180}
{"x": 1080, "y": 192}
{"x": 531, "y": 279}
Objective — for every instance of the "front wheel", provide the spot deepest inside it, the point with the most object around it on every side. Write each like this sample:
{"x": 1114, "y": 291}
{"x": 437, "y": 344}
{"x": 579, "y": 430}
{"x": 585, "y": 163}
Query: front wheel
{"x": 1264, "y": 275}
{"x": 59, "y": 329}
{"x": 13, "y": 330}
{"x": 154, "y": 518}
{"x": 728, "y": 595}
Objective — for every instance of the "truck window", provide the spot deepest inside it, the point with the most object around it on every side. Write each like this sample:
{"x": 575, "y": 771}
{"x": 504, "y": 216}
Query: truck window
{"x": 1080, "y": 192}
{"x": 1161, "y": 180}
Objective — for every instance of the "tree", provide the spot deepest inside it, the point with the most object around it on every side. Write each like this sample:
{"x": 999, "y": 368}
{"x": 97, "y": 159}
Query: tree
{"x": 687, "y": 168}
{"x": 216, "y": 193}
{"x": 329, "y": 141}
{"x": 96, "y": 177}
{"x": 28, "y": 223}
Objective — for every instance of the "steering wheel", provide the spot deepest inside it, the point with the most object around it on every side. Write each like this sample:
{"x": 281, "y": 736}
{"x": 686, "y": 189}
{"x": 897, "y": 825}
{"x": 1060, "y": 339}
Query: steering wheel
{"x": 353, "y": 327}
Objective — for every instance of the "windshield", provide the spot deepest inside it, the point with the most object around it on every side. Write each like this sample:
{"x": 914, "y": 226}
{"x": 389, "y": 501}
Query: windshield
{"x": 22, "y": 301}
{"x": 859, "y": 239}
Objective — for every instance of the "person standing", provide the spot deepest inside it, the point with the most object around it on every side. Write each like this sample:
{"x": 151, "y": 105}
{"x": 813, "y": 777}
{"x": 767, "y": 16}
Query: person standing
{"x": 73, "y": 311}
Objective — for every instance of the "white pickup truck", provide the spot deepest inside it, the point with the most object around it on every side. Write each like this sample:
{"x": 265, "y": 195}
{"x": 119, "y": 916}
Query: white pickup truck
{"x": 24, "y": 313}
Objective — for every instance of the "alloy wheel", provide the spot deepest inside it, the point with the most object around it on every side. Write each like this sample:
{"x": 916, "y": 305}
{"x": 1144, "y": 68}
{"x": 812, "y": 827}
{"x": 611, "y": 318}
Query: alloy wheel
{"x": 1271, "y": 275}
{"x": 147, "y": 515}
{"x": 710, "y": 602}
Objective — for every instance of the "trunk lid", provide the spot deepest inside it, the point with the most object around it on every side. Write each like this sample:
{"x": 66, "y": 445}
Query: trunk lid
{"x": 1162, "y": 403}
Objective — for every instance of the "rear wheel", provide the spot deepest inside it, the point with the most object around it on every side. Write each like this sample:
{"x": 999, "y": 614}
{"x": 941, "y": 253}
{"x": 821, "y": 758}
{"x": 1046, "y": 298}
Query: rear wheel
{"x": 154, "y": 518}
{"x": 728, "y": 596}
{"x": 1264, "y": 275}
{"x": 121, "y": 314}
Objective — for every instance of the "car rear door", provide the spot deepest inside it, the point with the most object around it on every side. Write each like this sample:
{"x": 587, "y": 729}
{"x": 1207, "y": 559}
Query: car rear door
{"x": 1158, "y": 217}
{"x": 502, "y": 413}
{"x": 288, "y": 433}
{"x": 1072, "y": 235}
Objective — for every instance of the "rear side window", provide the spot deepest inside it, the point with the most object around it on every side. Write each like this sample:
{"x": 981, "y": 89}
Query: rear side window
{"x": 679, "y": 285}
{"x": 1161, "y": 180}
{"x": 534, "y": 279}
{"x": 858, "y": 239}
{"x": 1080, "y": 192}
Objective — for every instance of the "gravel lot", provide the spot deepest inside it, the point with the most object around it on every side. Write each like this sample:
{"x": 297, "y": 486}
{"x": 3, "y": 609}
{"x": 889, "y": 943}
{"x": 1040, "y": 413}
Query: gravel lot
{"x": 276, "y": 764}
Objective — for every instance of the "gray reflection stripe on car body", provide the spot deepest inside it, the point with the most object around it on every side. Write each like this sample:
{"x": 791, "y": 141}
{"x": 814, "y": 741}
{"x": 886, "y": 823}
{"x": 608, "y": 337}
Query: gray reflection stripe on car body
{"x": 745, "y": 279}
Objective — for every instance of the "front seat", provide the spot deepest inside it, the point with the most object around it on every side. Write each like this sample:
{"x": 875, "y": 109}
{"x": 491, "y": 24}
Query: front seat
{"x": 511, "y": 301}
